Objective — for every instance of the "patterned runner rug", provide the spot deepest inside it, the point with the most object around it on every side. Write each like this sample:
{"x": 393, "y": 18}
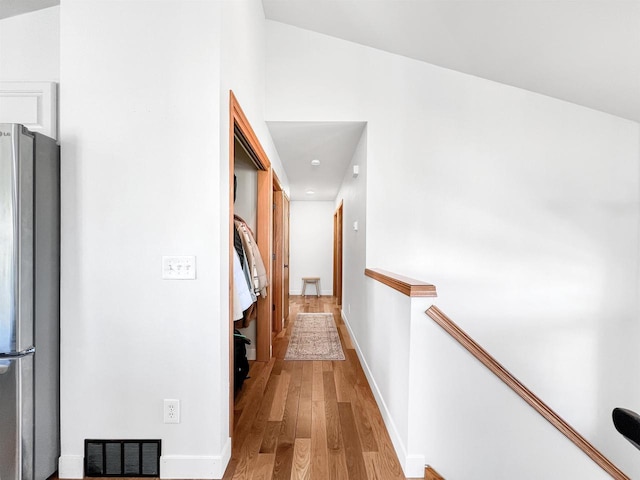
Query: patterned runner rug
{"x": 314, "y": 337}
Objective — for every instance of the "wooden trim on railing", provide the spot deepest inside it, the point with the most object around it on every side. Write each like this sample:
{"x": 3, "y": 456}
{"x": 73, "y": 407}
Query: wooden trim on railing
{"x": 527, "y": 395}
{"x": 407, "y": 286}
{"x": 431, "y": 474}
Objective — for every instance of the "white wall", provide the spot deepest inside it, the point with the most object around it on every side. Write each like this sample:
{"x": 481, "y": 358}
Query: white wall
{"x": 30, "y": 70}
{"x": 511, "y": 437}
{"x": 353, "y": 195}
{"x": 242, "y": 70}
{"x": 311, "y": 245}
{"x": 404, "y": 357}
{"x": 140, "y": 141}
{"x": 385, "y": 357}
{"x": 144, "y": 130}
{"x": 30, "y": 47}
{"x": 246, "y": 203}
{"x": 522, "y": 209}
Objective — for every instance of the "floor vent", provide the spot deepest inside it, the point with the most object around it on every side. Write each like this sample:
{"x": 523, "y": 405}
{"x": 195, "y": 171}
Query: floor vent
{"x": 122, "y": 458}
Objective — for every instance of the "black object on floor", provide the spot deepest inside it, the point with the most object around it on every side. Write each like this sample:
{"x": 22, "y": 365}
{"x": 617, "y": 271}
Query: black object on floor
{"x": 627, "y": 423}
{"x": 240, "y": 362}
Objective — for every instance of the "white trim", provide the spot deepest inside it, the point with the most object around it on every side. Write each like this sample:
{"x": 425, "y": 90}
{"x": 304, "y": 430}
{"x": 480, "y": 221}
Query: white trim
{"x": 194, "y": 466}
{"x": 412, "y": 465}
{"x": 71, "y": 466}
{"x": 33, "y": 104}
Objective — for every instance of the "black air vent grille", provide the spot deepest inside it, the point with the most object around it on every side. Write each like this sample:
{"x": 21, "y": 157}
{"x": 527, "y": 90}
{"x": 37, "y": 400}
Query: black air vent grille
{"x": 122, "y": 458}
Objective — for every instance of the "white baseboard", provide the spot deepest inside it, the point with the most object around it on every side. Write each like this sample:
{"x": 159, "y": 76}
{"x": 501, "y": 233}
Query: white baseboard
{"x": 412, "y": 465}
{"x": 193, "y": 466}
{"x": 71, "y": 466}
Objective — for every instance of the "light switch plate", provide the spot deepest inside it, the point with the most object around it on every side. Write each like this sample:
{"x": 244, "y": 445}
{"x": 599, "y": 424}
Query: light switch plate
{"x": 181, "y": 267}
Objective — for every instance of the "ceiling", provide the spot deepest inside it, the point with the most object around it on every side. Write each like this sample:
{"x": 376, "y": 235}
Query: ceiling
{"x": 582, "y": 51}
{"x": 11, "y": 8}
{"x": 585, "y": 52}
{"x": 332, "y": 143}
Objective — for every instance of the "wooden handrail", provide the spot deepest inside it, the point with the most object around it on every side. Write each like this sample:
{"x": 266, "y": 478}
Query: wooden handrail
{"x": 407, "y": 286}
{"x": 527, "y": 395}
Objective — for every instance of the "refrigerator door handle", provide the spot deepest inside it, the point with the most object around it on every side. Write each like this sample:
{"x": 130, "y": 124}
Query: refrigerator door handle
{"x": 21, "y": 354}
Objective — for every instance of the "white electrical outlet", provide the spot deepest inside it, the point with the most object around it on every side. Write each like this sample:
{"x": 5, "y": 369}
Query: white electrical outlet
{"x": 171, "y": 410}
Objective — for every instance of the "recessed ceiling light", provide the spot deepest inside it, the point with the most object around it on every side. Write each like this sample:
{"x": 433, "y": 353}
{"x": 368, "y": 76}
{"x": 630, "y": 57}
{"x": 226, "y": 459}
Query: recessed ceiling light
{"x": 310, "y": 192}
{"x": 315, "y": 162}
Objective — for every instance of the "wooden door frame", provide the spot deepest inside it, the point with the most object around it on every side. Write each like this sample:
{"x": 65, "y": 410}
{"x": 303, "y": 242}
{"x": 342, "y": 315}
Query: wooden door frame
{"x": 338, "y": 227}
{"x": 286, "y": 247}
{"x": 278, "y": 262}
{"x": 239, "y": 127}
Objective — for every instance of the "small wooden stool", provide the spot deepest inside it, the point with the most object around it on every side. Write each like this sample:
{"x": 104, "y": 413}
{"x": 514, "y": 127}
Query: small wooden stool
{"x": 310, "y": 280}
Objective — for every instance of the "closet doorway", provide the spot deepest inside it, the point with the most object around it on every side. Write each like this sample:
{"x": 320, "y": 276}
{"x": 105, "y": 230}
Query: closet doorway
{"x": 255, "y": 189}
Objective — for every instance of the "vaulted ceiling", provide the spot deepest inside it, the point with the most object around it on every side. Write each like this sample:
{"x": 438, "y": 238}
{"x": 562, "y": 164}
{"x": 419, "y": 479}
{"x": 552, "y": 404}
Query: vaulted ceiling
{"x": 583, "y": 51}
{"x": 11, "y": 8}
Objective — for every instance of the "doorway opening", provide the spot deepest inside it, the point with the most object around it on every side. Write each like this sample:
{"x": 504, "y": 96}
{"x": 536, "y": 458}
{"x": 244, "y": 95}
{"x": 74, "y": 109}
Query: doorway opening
{"x": 255, "y": 169}
{"x": 337, "y": 254}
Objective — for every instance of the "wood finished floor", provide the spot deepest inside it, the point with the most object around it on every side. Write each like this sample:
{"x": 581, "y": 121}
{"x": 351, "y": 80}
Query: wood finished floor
{"x": 314, "y": 420}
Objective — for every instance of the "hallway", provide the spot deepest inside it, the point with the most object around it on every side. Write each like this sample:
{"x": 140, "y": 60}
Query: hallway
{"x": 310, "y": 419}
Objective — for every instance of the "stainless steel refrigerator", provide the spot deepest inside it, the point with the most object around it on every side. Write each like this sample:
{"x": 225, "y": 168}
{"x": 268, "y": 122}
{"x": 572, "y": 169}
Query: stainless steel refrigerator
{"x": 29, "y": 304}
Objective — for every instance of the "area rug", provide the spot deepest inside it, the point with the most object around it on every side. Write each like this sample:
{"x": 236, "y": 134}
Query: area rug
{"x": 314, "y": 337}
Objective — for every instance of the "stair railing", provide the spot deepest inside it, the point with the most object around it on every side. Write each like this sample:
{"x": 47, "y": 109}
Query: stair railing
{"x": 527, "y": 395}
